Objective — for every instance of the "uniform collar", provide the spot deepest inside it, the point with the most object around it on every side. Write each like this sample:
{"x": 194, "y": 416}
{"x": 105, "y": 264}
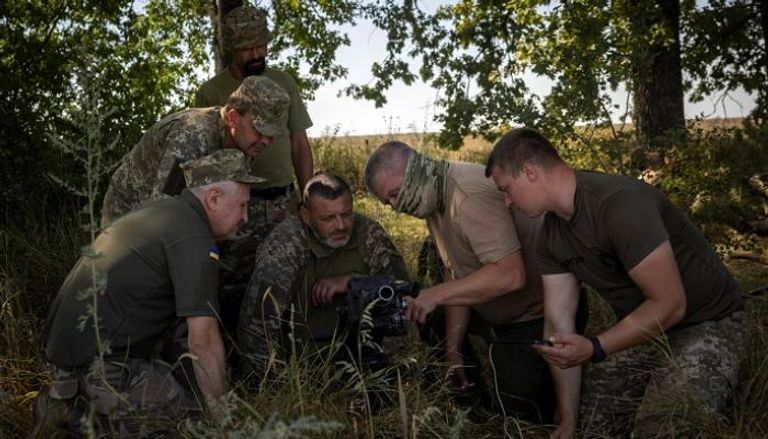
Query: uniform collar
{"x": 188, "y": 197}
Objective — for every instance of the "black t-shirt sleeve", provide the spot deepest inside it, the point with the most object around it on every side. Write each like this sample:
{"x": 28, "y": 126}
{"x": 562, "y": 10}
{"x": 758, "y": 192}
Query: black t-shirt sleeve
{"x": 633, "y": 225}
{"x": 194, "y": 270}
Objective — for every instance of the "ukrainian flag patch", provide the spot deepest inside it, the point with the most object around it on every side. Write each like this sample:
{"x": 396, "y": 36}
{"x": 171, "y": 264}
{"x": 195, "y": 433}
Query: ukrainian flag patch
{"x": 214, "y": 254}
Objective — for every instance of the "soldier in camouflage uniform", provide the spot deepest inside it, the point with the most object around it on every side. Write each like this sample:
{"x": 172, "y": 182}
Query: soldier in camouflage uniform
{"x": 137, "y": 287}
{"x": 244, "y": 40}
{"x": 302, "y": 270}
{"x": 252, "y": 118}
{"x": 677, "y": 348}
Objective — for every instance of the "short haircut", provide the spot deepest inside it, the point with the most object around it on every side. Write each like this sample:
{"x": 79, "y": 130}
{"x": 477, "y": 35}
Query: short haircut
{"x": 520, "y": 146}
{"x": 227, "y": 187}
{"x": 385, "y": 156}
{"x": 326, "y": 185}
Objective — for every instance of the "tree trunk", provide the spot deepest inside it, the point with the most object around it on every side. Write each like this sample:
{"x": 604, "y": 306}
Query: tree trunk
{"x": 217, "y": 10}
{"x": 213, "y": 15}
{"x": 762, "y": 101}
{"x": 657, "y": 79}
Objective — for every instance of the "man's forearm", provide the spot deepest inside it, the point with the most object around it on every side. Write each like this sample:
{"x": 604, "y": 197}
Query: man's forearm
{"x": 485, "y": 284}
{"x": 210, "y": 371}
{"x": 456, "y": 323}
{"x": 301, "y": 155}
{"x": 206, "y": 346}
{"x": 641, "y": 325}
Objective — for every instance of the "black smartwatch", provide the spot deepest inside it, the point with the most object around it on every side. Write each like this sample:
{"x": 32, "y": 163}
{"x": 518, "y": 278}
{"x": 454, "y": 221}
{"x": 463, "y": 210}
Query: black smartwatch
{"x": 598, "y": 354}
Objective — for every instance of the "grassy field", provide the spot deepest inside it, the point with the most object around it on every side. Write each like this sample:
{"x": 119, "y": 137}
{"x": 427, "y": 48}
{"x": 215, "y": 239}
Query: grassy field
{"x": 296, "y": 402}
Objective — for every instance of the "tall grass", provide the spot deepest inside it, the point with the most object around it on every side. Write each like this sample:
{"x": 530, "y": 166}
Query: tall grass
{"x": 296, "y": 400}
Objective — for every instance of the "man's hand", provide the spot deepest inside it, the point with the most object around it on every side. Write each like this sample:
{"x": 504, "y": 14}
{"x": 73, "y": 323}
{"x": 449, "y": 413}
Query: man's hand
{"x": 567, "y": 350}
{"x": 325, "y": 288}
{"x": 417, "y": 309}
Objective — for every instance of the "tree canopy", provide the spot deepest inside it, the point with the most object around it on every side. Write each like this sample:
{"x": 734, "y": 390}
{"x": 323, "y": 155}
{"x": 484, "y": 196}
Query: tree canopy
{"x": 150, "y": 56}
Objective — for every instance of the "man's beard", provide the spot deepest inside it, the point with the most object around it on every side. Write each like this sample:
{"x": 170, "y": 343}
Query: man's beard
{"x": 329, "y": 241}
{"x": 254, "y": 66}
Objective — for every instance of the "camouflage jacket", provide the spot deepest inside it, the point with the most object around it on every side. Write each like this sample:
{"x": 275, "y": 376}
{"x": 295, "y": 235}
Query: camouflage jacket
{"x": 279, "y": 266}
{"x": 145, "y": 171}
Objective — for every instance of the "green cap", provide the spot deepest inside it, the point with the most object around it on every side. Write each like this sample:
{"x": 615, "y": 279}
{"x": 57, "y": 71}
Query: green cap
{"x": 268, "y": 104}
{"x": 243, "y": 28}
{"x": 223, "y": 165}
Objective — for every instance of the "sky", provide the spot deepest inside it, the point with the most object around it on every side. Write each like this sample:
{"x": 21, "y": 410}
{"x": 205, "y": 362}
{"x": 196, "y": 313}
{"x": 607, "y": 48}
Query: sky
{"x": 410, "y": 108}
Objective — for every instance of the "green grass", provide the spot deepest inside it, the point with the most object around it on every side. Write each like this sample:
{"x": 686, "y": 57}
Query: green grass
{"x": 36, "y": 254}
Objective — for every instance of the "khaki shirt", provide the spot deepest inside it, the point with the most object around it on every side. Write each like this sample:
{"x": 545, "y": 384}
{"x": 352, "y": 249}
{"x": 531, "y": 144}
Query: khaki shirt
{"x": 477, "y": 228}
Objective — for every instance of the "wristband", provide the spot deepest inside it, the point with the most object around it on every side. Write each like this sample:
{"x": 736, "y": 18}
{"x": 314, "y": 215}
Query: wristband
{"x": 598, "y": 354}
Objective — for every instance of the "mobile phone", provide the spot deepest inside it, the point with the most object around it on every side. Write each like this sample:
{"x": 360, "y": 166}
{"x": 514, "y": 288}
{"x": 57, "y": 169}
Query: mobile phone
{"x": 540, "y": 341}
{"x": 526, "y": 341}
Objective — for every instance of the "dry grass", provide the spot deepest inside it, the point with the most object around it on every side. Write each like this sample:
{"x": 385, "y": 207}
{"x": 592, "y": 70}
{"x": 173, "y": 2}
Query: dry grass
{"x": 36, "y": 256}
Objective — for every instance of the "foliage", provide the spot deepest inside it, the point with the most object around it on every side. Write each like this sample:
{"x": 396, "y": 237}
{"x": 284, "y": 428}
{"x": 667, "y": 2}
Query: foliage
{"x": 476, "y": 53}
{"x": 32, "y": 270}
{"x": 723, "y": 51}
{"x": 144, "y": 58}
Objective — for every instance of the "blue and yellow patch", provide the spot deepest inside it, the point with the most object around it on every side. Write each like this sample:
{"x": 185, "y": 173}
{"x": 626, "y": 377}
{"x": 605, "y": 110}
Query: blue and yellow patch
{"x": 214, "y": 254}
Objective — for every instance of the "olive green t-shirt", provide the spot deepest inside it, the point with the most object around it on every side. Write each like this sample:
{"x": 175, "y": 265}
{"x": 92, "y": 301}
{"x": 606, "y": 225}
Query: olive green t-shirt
{"x": 617, "y": 222}
{"x": 275, "y": 163}
{"x": 159, "y": 263}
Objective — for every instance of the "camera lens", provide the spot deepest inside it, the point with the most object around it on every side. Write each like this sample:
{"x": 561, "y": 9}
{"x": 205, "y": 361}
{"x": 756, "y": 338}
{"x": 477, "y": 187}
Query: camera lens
{"x": 386, "y": 293}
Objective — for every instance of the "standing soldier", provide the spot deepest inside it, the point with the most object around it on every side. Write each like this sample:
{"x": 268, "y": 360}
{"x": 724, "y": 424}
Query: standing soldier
{"x": 245, "y": 37}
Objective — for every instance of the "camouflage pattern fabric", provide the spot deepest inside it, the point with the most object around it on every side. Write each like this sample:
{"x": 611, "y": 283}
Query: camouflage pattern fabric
{"x": 143, "y": 174}
{"x": 122, "y": 395}
{"x": 189, "y": 134}
{"x": 222, "y": 165}
{"x": 243, "y": 28}
{"x": 237, "y": 255}
{"x": 667, "y": 388}
{"x": 268, "y": 104}
{"x": 280, "y": 261}
{"x": 421, "y": 193}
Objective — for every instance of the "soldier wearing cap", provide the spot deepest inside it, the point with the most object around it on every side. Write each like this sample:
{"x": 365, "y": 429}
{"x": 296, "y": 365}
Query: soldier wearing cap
{"x": 252, "y": 118}
{"x": 148, "y": 270}
{"x": 244, "y": 37}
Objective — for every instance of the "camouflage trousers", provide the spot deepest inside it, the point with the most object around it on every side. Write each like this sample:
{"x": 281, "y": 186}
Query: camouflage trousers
{"x": 666, "y": 388}
{"x": 120, "y": 398}
{"x": 237, "y": 257}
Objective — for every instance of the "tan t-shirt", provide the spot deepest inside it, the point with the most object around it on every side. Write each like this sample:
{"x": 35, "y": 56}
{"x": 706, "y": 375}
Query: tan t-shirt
{"x": 477, "y": 228}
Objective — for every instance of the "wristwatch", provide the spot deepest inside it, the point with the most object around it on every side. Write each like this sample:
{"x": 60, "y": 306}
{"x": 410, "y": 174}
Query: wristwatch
{"x": 598, "y": 354}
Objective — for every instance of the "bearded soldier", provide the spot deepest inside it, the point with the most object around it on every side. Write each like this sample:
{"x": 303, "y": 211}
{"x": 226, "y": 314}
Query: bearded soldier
{"x": 303, "y": 269}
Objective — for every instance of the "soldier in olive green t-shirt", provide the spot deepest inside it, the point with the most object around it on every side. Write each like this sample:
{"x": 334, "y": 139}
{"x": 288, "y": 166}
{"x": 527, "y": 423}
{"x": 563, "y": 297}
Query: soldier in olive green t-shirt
{"x": 148, "y": 271}
{"x": 679, "y": 338}
{"x": 245, "y": 37}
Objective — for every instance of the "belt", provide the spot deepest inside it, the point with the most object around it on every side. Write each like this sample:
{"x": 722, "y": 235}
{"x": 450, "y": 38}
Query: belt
{"x": 272, "y": 193}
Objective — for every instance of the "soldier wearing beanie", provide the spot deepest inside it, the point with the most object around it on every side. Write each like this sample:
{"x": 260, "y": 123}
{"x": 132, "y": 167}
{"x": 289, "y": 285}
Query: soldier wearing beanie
{"x": 244, "y": 42}
{"x": 244, "y": 38}
{"x": 154, "y": 267}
